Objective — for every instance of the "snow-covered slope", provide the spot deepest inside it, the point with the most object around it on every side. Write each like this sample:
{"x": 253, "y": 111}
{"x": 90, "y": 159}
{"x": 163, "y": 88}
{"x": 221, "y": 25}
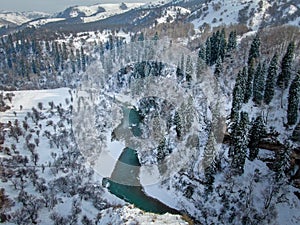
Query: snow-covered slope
{"x": 96, "y": 12}
{"x": 172, "y": 13}
{"x": 253, "y": 13}
{"x": 18, "y": 18}
{"x": 129, "y": 215}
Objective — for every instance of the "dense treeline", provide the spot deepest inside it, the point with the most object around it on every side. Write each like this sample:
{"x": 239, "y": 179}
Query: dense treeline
{"x": 28, "y": 62}
{"x": 255, "y": 86}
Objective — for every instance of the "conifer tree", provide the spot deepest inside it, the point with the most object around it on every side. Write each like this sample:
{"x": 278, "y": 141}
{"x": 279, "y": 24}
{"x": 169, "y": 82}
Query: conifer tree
{"x": 241, "y": 143}
{"x": 78, "y": 59}
{"x": 249, "y": 75}
{"x": 83, "y": 60}
{"x": 178, "y": 125}
{"x": 161, "y": 154}
{"x": 286, "y": 66}
{"x": 179, "y": 74}
{"x": 254, "y": 49}
{"x": 231, "y": 41}
{"x": 208, "y": 51}
{"x": 293, "y": 101}
{"x": 282, "y": 162}
{"x": 256, "y": 132}
{"x": 209, "y": 160}
{"x": 214, "y": 41}
{"x": 238, "y": 94}
{"x": 189, "y": 69}
{"x": 222, "y": 45}
{"x": 218, "y": 67}
{"x": 201, "y": 53}
{"x": 271, "y": 80}
{"x": 259, "y": 84}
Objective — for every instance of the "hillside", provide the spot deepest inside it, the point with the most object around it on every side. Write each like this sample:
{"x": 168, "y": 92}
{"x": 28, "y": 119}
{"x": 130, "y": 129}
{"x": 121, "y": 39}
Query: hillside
{"x": 15, "y": 18}
{"x": 152, "y": 114}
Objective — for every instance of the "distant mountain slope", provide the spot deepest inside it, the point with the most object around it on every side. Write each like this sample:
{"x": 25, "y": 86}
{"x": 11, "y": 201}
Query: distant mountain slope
{"x": 96, "y": 12}
{"x": 18, "y": 18}
{"x": 135, "y": 16}
{"x": 253, "y": 13}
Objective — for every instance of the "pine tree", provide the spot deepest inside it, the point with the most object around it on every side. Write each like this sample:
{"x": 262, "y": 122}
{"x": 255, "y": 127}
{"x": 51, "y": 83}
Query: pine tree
{"x": 249, "y": 75}
{"x": 47, "y": 46}
{"x": 209, "y": 161}
{"x": 208, "y": 51}
{"x": 282, "y": 162}
{"x": 238, "y": 94}
{"x": 179, "y": 74}
{"x": 256, "y": 133}
{"x": 254, "y": 49}
{"x": 73, "y": 61}
{"x": 218, "y": 67}
{"x": 83, "y": 60}
{"x": 286, "y": 66}
{"x": 199, "y": 68}
{"x": 178, "y": 125}
{"x": 189, "y": 69}
{"x": 241, "y": 143}
{"x": 214, "y": 43}
{"x": 271, "y": 80}
{"x": 78, "y": 59}
{"x": 222, "y": 45}
{"x": 161, "y": 150}
{"x": 293, "y": 101}
{"x": 259, "y": 84}
{"x": 232, "y": 41}
{"x": 201, "y": 53}
{"x": 209, "y": 154}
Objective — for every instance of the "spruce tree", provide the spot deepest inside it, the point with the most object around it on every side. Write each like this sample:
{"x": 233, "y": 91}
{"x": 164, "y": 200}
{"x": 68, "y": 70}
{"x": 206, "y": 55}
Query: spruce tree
{"x": 286, "y": 67}
{"x": 222, "y": 46}
{"x": 293, "y": 101}
{"x": 231, "y": 41}
{"x": 178, "y": 125}
{"x": 201, "y": 53}
{"x": 218, "y": 67}
{"x": 199, "y": 68}
{"x": 209, "y": 161}
{"x": 161, "y": 150}
{"x": 256, "y": 132}
{"x": 271, "y": 80}
{"x": 259, "y": 84}
{"x": 254, "y": 49}
{"x": 238, "y": 94}
{"x": 78, "y": 59}
{"x": 240, "y": 146}
{"x": 179, "y": 74}
{"x": 208, "y": 51}
{"x": 214, "y": 41}
{"x": 249, "y": 75}
{"x": 189, "y": 69}
{"x": 282, "y": 162}
{"x": 83, "y": 60}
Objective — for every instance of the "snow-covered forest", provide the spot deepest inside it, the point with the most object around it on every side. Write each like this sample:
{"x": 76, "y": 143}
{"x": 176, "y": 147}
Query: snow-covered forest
{"x": 211, "y": 116}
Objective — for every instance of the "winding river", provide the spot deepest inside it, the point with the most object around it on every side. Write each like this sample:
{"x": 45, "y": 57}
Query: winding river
{"x": 124, "y": 181}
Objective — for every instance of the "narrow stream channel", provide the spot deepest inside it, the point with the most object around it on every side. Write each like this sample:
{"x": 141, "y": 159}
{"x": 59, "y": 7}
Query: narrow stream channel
{"x": 124, "y": 181}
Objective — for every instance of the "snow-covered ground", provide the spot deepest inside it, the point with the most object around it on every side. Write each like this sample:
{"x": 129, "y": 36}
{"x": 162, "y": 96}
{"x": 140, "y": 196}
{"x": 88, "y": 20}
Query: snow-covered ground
{"x": 23, "y": 101}
{"x": 170, "y": 14}
{"x": 129, "y": 215}
{"x": 19, "y": 18}
{"x": 41, "y": 22}
{"x": 110, "y": 10}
